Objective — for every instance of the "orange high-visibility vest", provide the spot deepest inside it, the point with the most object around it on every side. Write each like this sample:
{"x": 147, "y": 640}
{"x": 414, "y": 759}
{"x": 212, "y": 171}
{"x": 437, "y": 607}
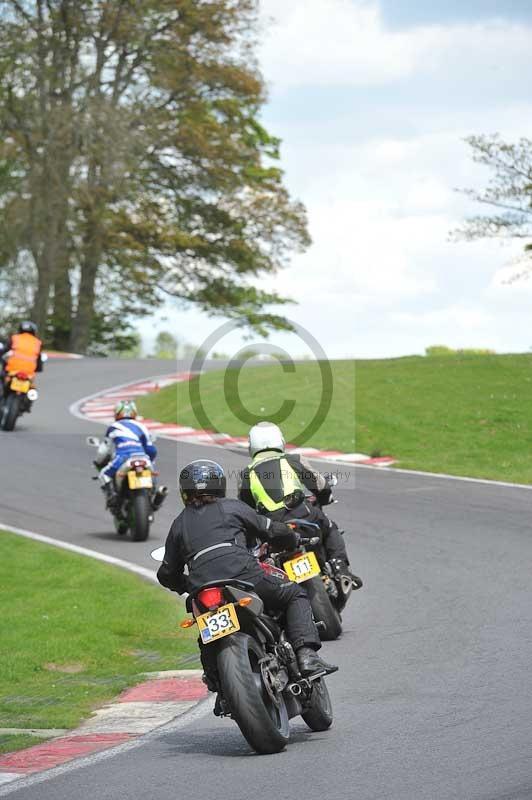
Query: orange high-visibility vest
{"x": 25, "y": 349}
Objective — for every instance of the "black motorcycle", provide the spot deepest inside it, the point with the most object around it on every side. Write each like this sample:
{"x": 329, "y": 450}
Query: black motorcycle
{"x": 308, "y": 565}
{"x": 17, "y": 395}
{"x": 252, "y": 665}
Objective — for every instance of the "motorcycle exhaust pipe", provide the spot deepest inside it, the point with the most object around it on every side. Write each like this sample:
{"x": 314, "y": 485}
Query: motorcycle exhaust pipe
{"x": 160, "y": 496}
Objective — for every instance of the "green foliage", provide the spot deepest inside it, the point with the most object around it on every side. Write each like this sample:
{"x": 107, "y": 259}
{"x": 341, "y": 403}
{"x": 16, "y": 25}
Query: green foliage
{"x": 437, "y": 350}
{"x": 165, "y": 345}
{"x": 112, "y": 334}
{"x": 133, "y": 163}
{"x": 508, "y": 195}
{"x": 77, "y": 632}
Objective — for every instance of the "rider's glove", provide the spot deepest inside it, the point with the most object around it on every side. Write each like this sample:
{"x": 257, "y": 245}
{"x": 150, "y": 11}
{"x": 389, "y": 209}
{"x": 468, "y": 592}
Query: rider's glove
{"x": 286, "y": 536}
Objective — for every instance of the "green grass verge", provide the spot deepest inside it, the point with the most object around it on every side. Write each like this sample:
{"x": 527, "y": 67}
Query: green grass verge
{"x": 11, "y": 742}
{"x": 463, "y": 414}
{"x": 76, "y": 632}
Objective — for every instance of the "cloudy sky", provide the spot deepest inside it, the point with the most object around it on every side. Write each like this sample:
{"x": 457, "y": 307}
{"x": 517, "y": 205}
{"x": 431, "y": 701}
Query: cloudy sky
{"x": 372, "y": 99}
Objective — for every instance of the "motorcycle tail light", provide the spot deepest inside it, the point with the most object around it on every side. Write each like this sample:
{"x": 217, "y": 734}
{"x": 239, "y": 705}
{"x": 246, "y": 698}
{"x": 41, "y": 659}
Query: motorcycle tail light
{"x": 211, "y": 598}
{"x": 22, "y": 376}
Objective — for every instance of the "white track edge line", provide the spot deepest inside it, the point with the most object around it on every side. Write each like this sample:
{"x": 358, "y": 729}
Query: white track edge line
{"x": 437, "y": 475}
{"x": 199, "y": 710}
{"x": 144, "y": 572}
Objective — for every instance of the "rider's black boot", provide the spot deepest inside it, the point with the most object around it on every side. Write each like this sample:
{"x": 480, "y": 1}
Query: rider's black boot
{"x": 310, "y": 662}
{"x": 341, "y": 571}
{"x": 113, "y": 501}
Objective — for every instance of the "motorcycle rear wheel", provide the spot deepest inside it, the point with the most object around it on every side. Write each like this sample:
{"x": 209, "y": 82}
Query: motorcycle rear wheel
{"x": 263, "y": 723}
{"x": 10, "y": 411}
{"x": 139, "y": 515}
{"x": 319, "y": 714}
{"x": 323, "y": 610}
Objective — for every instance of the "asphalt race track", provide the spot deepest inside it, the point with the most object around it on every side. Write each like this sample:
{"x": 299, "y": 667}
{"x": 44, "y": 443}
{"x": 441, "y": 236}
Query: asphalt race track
{"x": 433, "y": 700}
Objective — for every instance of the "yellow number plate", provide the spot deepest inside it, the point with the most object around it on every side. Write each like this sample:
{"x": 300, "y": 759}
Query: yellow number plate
{"x": 216, "y": 624}
{"x": 142, "y": 481}
{"x": 20, "y": 386}
{"x": 302, "y": 568}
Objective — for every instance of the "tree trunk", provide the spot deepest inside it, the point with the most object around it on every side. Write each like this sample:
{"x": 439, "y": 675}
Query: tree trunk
{"x": 93, "y": 249}
{"x": 80, "y": 338}
{"x": 39, "y": 311}
{"x": 50, "y": 189}
{"x": 62, "y": 310}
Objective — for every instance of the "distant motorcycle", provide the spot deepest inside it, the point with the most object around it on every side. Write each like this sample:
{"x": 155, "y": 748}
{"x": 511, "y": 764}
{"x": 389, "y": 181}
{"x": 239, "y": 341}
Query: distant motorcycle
{"x": 139, "y": 499}
{"x": 17, "y": 397}
{"x": 254, "y": 668}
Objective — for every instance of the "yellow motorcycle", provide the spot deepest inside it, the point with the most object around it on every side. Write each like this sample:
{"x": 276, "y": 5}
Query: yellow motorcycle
{"x": 18, "y": 395}
{"x": 138, "y": 497}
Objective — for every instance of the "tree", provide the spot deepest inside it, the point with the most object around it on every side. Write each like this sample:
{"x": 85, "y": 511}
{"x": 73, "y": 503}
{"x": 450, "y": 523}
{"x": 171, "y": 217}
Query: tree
{"x": 138, "y": 168}
{"x": 509, "y": 191}
{"x": 109, "y": 336}
{"x": 165, "y": 345}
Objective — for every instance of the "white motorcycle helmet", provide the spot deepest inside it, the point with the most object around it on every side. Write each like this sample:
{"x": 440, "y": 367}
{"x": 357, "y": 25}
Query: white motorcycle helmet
{"x": 265, "y": 436}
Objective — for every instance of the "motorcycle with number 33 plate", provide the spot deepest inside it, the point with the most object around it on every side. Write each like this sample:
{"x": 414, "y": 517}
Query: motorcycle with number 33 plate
{"x": 254, "y": 667}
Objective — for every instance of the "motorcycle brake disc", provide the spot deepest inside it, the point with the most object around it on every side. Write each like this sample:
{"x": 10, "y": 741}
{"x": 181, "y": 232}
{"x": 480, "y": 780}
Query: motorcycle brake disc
{"x": 269, "y": 682}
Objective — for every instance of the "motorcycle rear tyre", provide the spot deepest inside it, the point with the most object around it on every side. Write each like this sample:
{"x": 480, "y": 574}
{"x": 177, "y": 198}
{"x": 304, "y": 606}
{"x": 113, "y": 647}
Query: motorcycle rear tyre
{"x": 139, "y": 515}
{"x": 323, "y": 610}
{"x": 319, "y": 714}
{"x": 263, "y": 723}
{"x": 10, "y": 412}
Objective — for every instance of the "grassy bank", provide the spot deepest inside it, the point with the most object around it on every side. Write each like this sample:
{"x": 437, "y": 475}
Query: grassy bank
{"x": 75, "y": 632}
{"x": 262, "y": 391}
{"x": 462, "y": 414}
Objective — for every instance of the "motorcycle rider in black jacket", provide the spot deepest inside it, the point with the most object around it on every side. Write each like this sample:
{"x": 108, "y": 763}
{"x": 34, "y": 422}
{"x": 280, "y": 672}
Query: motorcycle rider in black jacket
{"x": 212, "y": 537}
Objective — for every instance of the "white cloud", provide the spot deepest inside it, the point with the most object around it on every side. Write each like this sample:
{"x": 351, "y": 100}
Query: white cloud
{"x": 377, "y": 170}
{"x": 463, "y": 318}
{"x": 331, "y": 41}
{"x": 345, "y": 42}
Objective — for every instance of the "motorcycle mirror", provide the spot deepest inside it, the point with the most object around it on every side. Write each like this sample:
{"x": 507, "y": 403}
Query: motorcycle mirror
{"x": 157, "y": 554}
{"x": 93, "y": 441}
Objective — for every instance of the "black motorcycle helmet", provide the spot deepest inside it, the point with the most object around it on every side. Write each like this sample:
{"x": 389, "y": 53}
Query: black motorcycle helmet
{"x": 28, "y": 327}
{"x": 202, "y": 478}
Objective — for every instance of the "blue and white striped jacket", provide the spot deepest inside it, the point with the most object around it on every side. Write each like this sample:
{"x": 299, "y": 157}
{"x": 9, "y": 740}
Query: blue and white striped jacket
{"x": 129, "y": 436}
